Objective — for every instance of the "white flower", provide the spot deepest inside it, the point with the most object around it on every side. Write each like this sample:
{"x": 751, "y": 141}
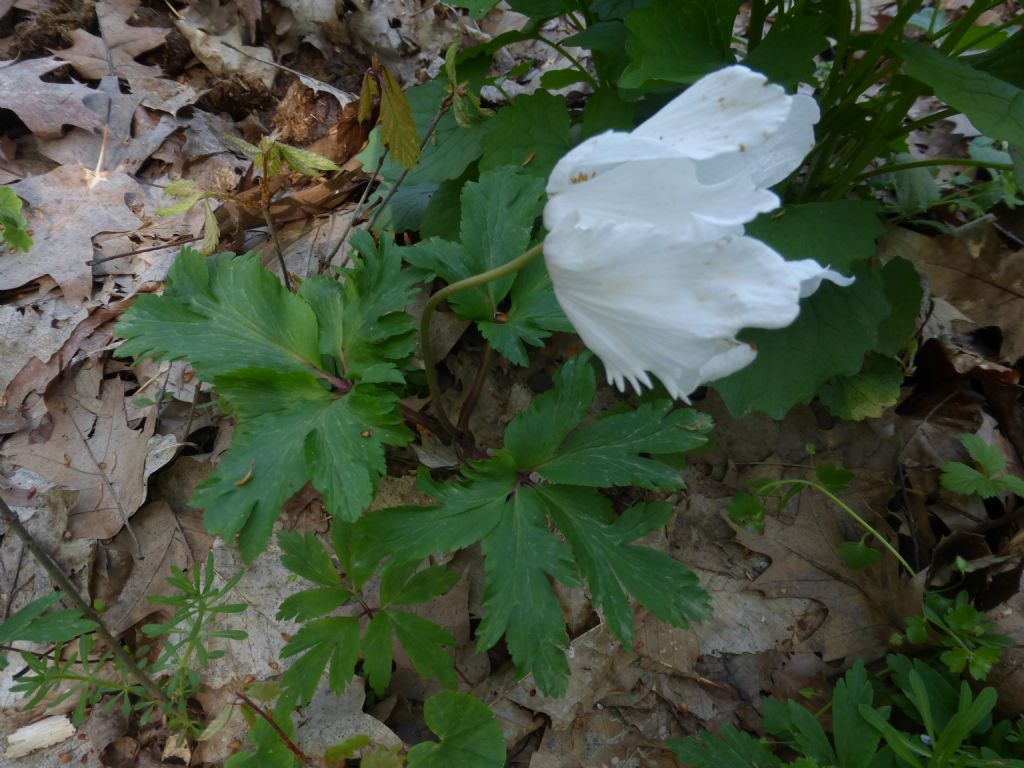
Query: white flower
{"x": 646, "y": 248}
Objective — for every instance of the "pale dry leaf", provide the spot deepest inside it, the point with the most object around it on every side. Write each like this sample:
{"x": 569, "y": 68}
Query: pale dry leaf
{"x": 39, "y": 735}
{"x": 222, "y": 60}
{"x": 88, "y": 55}
{"x": 975, "y": 272}
{"x": 125, "y": 145}
{"x": 66, "y": 208}
{"x": 163, "y": 545}
{"x": 116, "y": 46}
{"x": 330, "y": 719}
{"x": 864, "y": 607}
{"x": 87, "y": 336}
{"x": 90, "y": 449}
{"x": 35, "y": 332}
{"x": 594, "y": 658}
{"x": 44, "y": 108}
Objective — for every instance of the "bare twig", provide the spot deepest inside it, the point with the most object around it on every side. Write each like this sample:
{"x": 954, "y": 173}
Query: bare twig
{"x": 257, "y": 709}
{"x": 445, "y": 104}
{"x": 69, "y": 589}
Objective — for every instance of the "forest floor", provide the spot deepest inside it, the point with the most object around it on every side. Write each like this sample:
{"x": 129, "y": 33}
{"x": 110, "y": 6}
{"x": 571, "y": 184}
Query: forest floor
{"x": 99, "y": 458}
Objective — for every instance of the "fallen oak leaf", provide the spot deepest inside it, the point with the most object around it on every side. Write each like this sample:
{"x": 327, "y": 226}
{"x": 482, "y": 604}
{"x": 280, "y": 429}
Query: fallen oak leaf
{"x": 116, "y": 47}
{"x": 66, "y": 208}
{"x": 45, "y": 108}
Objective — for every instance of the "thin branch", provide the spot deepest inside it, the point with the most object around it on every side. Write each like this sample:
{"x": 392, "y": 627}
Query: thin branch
{"x": 292, "y": 746}
{"x": 69, "y": 589}
{"x": 473, "y": 396}
{"x": 426, "y": 345}
{"x": 445, "y": 103}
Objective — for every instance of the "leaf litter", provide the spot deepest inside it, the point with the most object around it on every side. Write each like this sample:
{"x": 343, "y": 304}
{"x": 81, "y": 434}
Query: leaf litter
{"x": 102, "y": 480}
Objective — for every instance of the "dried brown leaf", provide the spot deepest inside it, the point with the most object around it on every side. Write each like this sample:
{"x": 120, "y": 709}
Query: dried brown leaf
{"x": 92, "y": 450}
{"x": 66, "y": 208}
{"x": 45, "y": 108}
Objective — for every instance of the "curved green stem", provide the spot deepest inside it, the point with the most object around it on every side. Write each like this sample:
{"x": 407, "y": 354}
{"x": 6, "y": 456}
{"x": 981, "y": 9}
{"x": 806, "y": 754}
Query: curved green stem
{"x": 848, "y": 510}
{"x": 936, "y": 161}
{"x": 572, "y": 60}
{"x": 426, "y": 346}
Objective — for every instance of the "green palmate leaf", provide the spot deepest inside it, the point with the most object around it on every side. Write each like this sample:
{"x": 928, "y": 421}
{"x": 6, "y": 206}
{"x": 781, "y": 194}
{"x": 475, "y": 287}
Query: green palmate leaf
{"x": 305, "y": 555}
{"x": 836, "y": 234}
{"x": 532, "y": 133}
{"x": 613, "y": 567}
{"x": 377, "y": 654}
{"x": 497, "y": 223}
{"x": 397, "y": 126}
{"x": 857, "y": 555}
{"x": 33, "y": 624}
{"x": 904, "y": 291}
{"x": 363, "y": 326}
{"x": 306, "y": 162}
{"x": 618, "y": 449}
{"x": 786, "y": 55}
{"x": 835, "y": 329}
{"x": 332, "y": 642}
{"x": 470, "y": 736}
{"x": 533, "y": 437}
{"x": 678, "y": 41}
{"x": 267, "y": 352}
{"x": 606, "y": 111}
{"x": 732, "y": 749}
{"x": 866, "y": 394}
{"x": 960, "y": 478}
{"x": 424, "y": 642}
{"x": 533, "y": 316}
{"x": 426, "y": 645}
{"x": 402, "y": 584}
{"x": 495, "y": 503}
{"x": 290, "y": 429}
{"x": 987, "y": 456}
{"x": 837, "y": 326}
{"x": 856, "y": 741}
{"x": 222, "y": 314}
{"x": 465, "y": 512}
{"x": 995, "y": 106}
{"x": 520, "y": 553}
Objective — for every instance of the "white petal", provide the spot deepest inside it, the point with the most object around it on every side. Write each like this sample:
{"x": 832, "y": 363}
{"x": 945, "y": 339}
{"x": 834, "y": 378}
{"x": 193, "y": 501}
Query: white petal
{"x": 773, "y": 159}
{"x": 731, "y": 110}
{"x": 645, "y": 302}
{"x": 665, "y": 193}
{"x": 601, "y": 153}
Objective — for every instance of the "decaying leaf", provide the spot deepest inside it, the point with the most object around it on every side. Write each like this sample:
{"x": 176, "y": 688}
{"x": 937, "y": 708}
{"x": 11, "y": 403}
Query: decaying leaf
{"x": 45, "y": 108}
{"x": 864, "y": 607}
{"x": 90, "y": 448}
{"x": 114, "y": 51}
{"x": 66, "y": 208}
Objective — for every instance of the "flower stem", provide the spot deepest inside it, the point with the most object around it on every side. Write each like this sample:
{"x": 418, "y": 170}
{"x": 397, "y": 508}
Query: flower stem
{"x": 426, "y": 346}
{"x": 933, "y": 162}
{"x": 849, "y": 511}
{"x": 71, "y": 592}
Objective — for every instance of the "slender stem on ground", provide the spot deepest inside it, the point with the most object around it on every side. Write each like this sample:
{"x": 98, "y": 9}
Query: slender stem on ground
{"x": 291, "y": 745}
{"x": 572, "y": 60}
{"x": 936, "y": 161}
{"x": 446, "y": 102}
{"x": 69, "y": 589}
{"x": 426, "y": 346}
{"x": 848, "y": 510}
{"x": 473, "y": 396}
